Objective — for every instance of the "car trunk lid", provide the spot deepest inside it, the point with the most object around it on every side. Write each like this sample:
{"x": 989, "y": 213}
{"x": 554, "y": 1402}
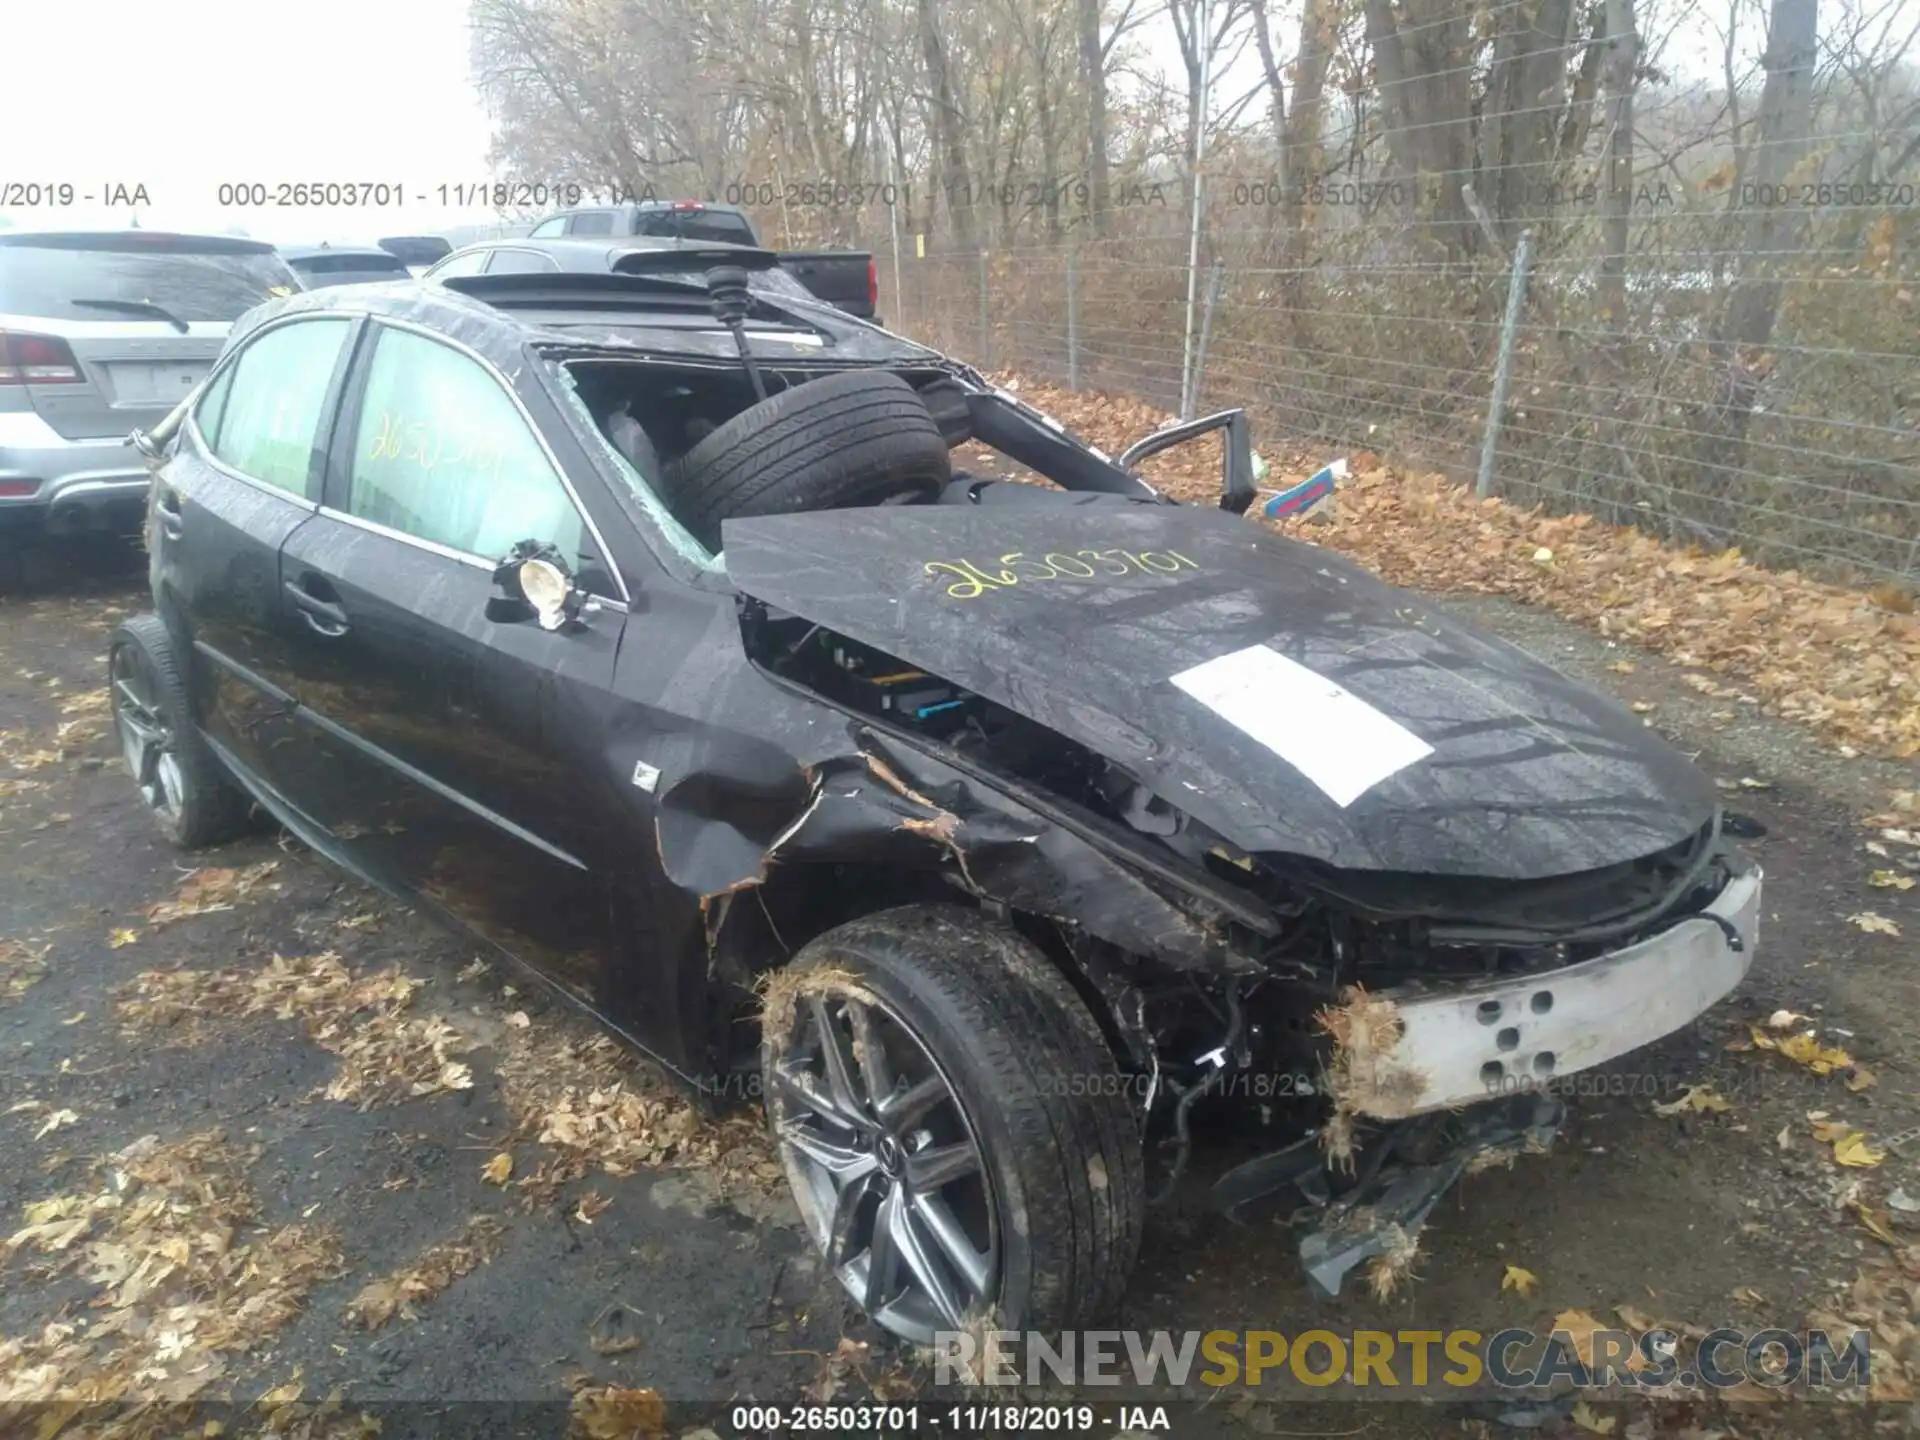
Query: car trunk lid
{"x": 142, "y": 315}
{"x": 1271, "y": 689}
{"x": 131, "y": 372}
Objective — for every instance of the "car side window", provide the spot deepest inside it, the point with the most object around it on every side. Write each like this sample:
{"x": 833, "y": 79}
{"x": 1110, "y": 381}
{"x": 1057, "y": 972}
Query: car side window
{"x": 442, "y": 453}
{"x": 521, "y": 262}
{"x": 592, "y": 222}
{"x": 212, "y": 405}
{"x": 270, "y": 409}
{"x": 549, "y": 229}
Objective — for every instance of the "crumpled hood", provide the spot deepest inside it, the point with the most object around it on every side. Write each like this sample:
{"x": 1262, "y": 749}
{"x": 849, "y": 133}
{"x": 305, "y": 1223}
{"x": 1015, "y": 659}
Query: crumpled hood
{"x": 1195, "y": 650}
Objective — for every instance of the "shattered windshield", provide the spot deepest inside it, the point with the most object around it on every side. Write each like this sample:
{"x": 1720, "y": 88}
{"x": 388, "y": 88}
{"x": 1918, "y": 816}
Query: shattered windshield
{"x": 639, "y": 488}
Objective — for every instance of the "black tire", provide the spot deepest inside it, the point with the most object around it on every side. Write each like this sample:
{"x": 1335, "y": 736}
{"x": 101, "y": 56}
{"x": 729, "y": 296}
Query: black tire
{"x": 1036, "y": 1082}
{"x": 857, "y": 438}
{"x": 196, "y": 802}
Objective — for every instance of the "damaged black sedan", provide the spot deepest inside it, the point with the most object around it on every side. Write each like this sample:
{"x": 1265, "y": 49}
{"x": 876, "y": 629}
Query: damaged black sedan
{"x": 1000, "y": 824}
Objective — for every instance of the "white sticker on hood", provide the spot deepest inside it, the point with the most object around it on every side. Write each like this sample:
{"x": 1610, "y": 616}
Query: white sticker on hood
{"x": 1318, "y": 726}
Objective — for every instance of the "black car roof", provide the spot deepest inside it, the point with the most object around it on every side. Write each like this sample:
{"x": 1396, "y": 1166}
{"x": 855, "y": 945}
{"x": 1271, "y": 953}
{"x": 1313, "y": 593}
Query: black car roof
{"x": 359, "y": 252}
{"x": 597, "y": 306}
{"x": 598, "y": 254}
{"x": 130, "y": 239}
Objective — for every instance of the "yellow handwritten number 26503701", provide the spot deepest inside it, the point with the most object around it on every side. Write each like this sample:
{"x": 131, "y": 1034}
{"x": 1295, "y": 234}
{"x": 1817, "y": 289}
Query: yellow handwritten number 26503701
{"x": 1013, "y": 568}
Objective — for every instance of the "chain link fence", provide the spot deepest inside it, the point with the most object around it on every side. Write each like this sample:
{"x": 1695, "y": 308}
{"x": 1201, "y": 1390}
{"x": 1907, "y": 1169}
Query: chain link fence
{"x": 1623, "y": 397}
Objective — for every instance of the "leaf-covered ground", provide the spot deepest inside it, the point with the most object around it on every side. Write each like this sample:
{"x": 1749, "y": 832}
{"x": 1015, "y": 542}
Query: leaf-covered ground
{"x": 266, "y": 1137}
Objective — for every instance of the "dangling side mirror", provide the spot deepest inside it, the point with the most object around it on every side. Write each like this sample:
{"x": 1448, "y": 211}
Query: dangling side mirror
{"x": 550, "y": 591}
{"x": 153, "y": 444}
{"x": 534, "y": 578}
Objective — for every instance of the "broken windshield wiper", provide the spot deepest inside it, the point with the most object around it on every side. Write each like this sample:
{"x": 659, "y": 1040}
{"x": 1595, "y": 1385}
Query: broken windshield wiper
{"x": 137, "y": 307}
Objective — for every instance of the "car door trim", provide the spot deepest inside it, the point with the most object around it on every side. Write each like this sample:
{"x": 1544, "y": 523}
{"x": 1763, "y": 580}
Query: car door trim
{"x": 438, "y": 787}
{"x": 384, "y": 757}
{"x": 533, "y": 427}
{"x": 329, "y": 405}
{"x": 445, "y": 552}
{"x": 264, "y": 686}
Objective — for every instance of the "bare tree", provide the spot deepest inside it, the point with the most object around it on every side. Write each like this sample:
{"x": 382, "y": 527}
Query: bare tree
{"x": 1621, "y": 51}
{"x": 1423, "y": 51}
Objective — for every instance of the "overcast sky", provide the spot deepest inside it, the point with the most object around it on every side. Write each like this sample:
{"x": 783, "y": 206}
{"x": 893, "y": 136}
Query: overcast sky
{"x": 183, "y": 95}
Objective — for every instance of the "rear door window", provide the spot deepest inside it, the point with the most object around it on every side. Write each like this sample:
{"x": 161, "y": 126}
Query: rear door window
{"x": 442, "y": 453}
{"x": 721, "y": 226}
{"x": 521, "y": 262}
{"x": 267, "y": 416}
{"x": 466, "y": 262}
{"x": 592, "y": 222}
{"x": 188, "y": 277}
{"x": 349, "y": 269}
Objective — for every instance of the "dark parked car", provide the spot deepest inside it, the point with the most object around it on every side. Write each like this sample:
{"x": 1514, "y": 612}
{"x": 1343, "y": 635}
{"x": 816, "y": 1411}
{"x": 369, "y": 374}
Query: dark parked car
{"x": 102, "y": 331}
{"x": 845, "y": 279}
{"x": 524, "y": 256}
{"x": 416, "y": 252}
{"x": 998, "y": 828}
{"x": 321, "y": 265}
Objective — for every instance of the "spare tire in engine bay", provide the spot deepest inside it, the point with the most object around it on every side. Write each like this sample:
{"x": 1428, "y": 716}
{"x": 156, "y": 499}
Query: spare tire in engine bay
{"x": 862, "y": 437}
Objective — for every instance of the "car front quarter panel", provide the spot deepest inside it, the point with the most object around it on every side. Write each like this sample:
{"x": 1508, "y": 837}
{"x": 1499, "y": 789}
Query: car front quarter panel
{"x": 724, "y": 824}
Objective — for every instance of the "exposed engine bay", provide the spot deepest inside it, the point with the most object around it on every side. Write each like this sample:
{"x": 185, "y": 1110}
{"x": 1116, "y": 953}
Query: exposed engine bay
{"x": 1261, "y": 1037}
{"x": 1276, "y": 1037}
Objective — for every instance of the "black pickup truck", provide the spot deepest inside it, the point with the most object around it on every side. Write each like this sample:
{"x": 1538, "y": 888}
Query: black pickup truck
{"x": 845, "y": 279}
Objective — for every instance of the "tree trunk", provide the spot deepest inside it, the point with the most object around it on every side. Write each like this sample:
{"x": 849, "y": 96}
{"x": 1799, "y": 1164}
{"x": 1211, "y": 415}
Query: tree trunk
{"x": 1622, "y": 49}
{"x": 1306, "y": 123}
{"x": 949, "y": 142}
{"x": 1277, "y": 117}
{"x": 1423, "y": 54}
{"x": 1093, "y": 74}
{"x": 1520, "y": 119}
{"x": 1785, "y": 124}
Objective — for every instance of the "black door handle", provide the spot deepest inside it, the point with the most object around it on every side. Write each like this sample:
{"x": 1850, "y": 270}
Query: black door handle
{"x": 323, "y": 617}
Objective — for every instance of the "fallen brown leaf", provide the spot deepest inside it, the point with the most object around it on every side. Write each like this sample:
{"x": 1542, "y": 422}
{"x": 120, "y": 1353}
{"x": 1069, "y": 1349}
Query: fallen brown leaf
{"x": 1523, "y": 1281}
{"x": 1696, "y": 1098}
{"x": 437, "y": 1268}
{"x": 612, "y": 1412}
{"x": 208, "y": 890}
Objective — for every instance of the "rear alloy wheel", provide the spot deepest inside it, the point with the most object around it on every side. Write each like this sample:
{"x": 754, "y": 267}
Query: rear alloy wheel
{"x": 178, "y": 779}
{"x": 917, "y": 1066}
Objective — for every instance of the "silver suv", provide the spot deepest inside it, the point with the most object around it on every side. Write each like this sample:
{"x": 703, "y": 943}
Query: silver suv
{"x": 102, "y": 332}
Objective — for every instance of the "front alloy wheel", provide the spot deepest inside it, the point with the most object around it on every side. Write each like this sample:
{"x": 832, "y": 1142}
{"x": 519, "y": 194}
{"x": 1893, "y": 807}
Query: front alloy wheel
{"x": 885, "y": 1166}
{"x": 951, "y": 1121}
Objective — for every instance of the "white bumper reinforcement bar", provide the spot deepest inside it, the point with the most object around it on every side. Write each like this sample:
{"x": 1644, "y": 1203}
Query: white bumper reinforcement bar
{"x": 1499, "y": 1037}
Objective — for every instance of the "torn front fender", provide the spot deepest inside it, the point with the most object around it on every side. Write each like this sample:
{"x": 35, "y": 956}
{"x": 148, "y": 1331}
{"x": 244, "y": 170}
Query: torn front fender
{"x": 892, "y": 804}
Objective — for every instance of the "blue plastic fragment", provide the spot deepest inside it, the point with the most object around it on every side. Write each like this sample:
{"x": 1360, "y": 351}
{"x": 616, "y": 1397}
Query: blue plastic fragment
{"x": 1309, "y": 492}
